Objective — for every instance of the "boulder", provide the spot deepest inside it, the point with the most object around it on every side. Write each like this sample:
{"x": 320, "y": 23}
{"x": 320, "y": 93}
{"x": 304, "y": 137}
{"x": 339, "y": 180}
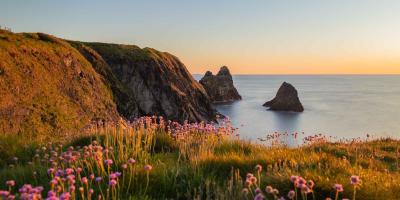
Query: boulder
{"x": 286, "y": 99}
{"x": 220, "y": 87}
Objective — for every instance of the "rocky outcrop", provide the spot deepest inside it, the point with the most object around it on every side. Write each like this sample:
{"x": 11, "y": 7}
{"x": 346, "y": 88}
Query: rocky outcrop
{"x": 286, "y": 99}
{"x": 50, "y": 86}
{"x": 153, "y": 82}
{"x": 220, "y": 87}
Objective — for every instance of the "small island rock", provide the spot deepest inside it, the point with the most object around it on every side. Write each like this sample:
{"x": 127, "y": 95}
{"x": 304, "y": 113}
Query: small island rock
{"x": 286, "y": 99}
{"x": 220, "y": 87}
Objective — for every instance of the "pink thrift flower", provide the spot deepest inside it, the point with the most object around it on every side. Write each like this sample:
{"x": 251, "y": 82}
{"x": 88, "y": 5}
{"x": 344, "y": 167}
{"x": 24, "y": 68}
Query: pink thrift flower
{"x": 148, "y": 167}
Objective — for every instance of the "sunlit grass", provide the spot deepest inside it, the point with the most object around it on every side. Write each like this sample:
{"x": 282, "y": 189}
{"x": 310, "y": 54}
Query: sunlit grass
{"x": 153, "y": 159}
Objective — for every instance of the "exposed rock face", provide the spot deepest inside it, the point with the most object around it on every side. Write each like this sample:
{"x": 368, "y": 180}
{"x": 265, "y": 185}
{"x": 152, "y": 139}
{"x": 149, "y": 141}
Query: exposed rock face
{"x": 50, "y": 86}
{"x": 153, "y": 82}
{"x": 286, "y": 99}
{"x": 220, "y": 87}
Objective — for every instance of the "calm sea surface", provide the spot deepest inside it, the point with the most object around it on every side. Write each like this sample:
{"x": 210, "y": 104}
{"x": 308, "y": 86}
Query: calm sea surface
{"x": 342, "y": 106}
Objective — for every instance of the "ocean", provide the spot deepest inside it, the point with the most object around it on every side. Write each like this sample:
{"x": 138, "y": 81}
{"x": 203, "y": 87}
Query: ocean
{"x": 336, "y": 106}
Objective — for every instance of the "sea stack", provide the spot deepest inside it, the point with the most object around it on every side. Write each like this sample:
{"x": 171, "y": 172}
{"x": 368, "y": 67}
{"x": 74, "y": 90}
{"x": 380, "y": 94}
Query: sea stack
{"x": 220, "y": 87}
{"x": 286, "y": 99}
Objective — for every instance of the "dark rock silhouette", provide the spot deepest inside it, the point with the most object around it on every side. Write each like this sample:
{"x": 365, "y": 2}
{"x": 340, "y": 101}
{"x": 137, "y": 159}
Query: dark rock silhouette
{"x": 286, "y": 99}
{"x": 220, "y": 87}
{"x": 149, "y": 82}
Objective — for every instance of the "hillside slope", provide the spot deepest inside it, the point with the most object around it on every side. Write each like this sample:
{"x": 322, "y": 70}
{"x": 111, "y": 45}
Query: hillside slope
{"x": 48, "y": 87}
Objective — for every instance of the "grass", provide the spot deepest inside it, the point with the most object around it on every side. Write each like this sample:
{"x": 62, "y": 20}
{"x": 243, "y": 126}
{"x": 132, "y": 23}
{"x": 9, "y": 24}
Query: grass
{"x": 200, "y": 161}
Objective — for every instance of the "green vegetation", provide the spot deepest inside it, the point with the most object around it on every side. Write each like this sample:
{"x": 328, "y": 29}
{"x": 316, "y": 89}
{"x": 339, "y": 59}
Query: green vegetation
{"x": 48, "y": 88}
{"x": 199, "y": 161}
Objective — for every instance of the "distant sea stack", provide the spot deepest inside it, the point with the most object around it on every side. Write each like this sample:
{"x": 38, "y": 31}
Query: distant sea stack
{"x": 220, "y": 87}
{"x": 286, "y": 99}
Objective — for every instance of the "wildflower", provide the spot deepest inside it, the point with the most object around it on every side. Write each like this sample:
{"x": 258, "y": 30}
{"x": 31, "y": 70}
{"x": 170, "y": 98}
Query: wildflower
{"x": 112, "y": 183}
{"x": 131, "y": 161}
{"x": 91, "y": 176}
{"x": 281, "y": 198}
{"x": 69, "y": 171}
{"x": 11, "y": 197}
{"x": 245, "y": 191}
{"x": 355, "y": 180}
{"x": 148, "y": 167}
{"x": 259, "y": 197}
{"x": 84, "y": 180}
{"x": 275, "y": 191}
{"x": 124, "y": 166}
{"x": 53, "y": 182}
{"x": 257, "y": 190}
{"x": 338, "y": 188}
{"x": 78, "y": 170}
{"x": 253, "y": 180}
{"x": 108, "y": 162}
{"x": 72, "y": 188}
{"x": 294, "y": 178}
{"x": 81, "y": 189}
{"x": 310, "y": 184}
{"x": 65, "y": 196}
{"x": 269, "y": 189}
{"x": 91, "y": 191}
{"x": 98, "y": 179}
{"x": 258, "y": 168}
{"x": 51, "y": 171}
{"x": 4, "y": 193}
{"x": 291, "y": 194}
{"x": 10, "y": 183}
{"x": 51, "y": 193}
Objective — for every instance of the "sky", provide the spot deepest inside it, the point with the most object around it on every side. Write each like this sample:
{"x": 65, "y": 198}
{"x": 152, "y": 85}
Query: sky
{"x": 250, "y": 37}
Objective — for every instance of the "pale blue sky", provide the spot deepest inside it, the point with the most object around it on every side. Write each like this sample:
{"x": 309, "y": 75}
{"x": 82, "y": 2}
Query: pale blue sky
{"x": 264, "y": 36}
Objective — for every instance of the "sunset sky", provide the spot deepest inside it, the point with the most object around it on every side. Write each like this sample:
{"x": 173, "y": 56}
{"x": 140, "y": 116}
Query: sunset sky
{"x": 251, "y": 37}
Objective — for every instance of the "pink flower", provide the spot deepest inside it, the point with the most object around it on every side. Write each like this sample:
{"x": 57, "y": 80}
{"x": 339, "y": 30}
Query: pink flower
{"x": 355, "y": 180}
{"x": 112, "y": 183}
{"x": 269, "y": 189}
{"x": 124, "y": 166}
{"x": 65, "y": 196}
{"x": 338, "y": 188}
{"x": 291, "y": 194}
{"x": 131, "y": 161}
{"x": 245, "y": 191}
{"x": 310, "y": 184}
{"x": 84, "y": 180}
{"x": 293, "y": 178}
{"x": 258, "y": 168}
{"x": 10, "y": 183}
{"x": 148, "y": 167}
{"x": 108, "y": 162}
{"x": 69, "y": 171}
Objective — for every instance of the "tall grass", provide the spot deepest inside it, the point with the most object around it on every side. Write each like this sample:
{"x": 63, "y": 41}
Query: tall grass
{"x": 154, "y": 159}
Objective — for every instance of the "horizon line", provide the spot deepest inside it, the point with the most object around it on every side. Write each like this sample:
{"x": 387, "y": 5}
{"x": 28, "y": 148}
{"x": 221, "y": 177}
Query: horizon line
{"x": 344, "y": 74}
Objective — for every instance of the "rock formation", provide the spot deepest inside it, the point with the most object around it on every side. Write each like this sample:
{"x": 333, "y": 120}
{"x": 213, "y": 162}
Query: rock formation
{"x": 49, "y": 85}
{"x": 149, "y": 82}
{"x": 220, "y": 87}
{"x": 286, "y": 99}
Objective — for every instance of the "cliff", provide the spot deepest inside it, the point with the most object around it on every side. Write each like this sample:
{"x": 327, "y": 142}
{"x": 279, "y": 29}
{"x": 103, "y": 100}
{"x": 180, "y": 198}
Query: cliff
{"x": 49, "y": 85}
